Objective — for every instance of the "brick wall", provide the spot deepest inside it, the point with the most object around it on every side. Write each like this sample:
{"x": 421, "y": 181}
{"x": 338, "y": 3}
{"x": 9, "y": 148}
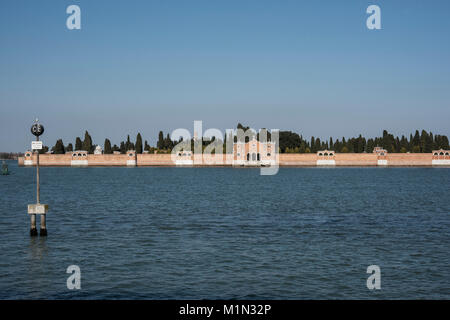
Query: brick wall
{"x": 286, "y": 159}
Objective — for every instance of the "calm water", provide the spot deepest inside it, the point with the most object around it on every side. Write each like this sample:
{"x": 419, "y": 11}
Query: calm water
{"x": 197, "y": 233}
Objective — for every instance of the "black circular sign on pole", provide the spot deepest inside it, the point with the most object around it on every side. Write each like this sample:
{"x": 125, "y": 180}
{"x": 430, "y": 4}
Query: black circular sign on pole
{"x": 37, "y": 129}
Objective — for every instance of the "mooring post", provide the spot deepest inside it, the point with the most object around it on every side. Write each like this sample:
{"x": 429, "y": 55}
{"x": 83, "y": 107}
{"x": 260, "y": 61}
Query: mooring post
{"x": 43, "y": 231}
{"x": 33, "y": 230}
{"x": 38, "y": 208}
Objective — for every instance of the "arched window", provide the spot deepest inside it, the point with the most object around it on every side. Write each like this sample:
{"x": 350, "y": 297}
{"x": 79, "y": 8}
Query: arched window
{"x": 320, "y": 154}
{"x": 258, "y": 157}
{"x": 74, "y": 155}
{"x": 79, "y": 154}
{"x": 446, "y": 153}
{"x": 268, "y": 154}
{"x": 253, "y": 156}
{"x": 130, "y": 154}
{"x": 248, "y": 156}
{"x": 441, "y": 154}
{"x": 325, "y": 154}
{"x": 84, "y": 154}
{"x": 435, "y": 153}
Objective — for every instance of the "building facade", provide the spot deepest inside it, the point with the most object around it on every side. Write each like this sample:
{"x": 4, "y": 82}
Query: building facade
{"x": 254, "y": 153}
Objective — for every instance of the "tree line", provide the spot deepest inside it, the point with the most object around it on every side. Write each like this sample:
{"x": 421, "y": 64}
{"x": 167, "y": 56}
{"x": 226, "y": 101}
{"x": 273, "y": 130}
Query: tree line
{"x": 10, "y": 155}
{"x": 289, "y": 142}
{"x": 424, "y": 142}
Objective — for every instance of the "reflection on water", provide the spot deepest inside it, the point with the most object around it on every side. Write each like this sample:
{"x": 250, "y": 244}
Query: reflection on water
{"x": 37, "y": 249}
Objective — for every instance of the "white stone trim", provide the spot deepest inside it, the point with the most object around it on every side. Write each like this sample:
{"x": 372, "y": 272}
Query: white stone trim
{"x": 79, "y": 162}
{"x": 131, "y": 163}
{"x": 326, "y": 162}
{"x": 440, "y": 162}
{"x": 382, "y": 162}
{"x": 184, "y": 162}
{"x": 28, "y": 162}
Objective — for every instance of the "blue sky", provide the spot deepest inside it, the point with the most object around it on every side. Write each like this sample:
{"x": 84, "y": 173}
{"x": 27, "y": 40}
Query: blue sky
{"x": 308, "y": 66}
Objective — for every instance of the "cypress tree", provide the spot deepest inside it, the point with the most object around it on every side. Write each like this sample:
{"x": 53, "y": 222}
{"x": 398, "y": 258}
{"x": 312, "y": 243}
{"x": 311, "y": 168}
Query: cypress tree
{"x": 317, "y": 144}
{"x": 138, "y": 143}
{"x": 87, "y": 143}
{"x": 160, "y": 143}
{"x": 128, "y": 144}
{"x": 107, "y": 147}
{"x": 78, "y": 144}
{"x": 416, "y": 140}
{"x": 313, "y": 147}
{"x": 123, "y": 148}
{"x": 168, "y": 142}
{"x": 69, "y": 148}
{"x": 59, "y": 147}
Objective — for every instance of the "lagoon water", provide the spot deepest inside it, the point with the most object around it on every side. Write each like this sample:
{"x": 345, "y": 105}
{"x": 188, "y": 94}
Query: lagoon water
{"x": 223, "y": 233}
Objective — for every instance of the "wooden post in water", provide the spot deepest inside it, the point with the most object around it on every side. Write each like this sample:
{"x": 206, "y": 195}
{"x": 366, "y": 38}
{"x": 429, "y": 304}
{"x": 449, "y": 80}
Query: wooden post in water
{"x": 38, "y": 208}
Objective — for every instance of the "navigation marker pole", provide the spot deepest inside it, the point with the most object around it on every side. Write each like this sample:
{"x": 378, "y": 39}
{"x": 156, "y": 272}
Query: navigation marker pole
{"x": 38, "y": 208}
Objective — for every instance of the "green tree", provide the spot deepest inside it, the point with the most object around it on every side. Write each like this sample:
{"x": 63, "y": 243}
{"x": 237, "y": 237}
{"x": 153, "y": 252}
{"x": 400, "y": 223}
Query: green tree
{"x": 146, "y": 146}
{"x": 107, "y": 147}
{"x": 416, "y": 149}
{"x": 128, "y": 144}
{"x": 59, "y": 147}
{"x": 138, "y": 143}
{"x": 123, "y": 148}
{"x": 43, "y": 150}
{"x": 160, "y": 143}
{"x": 87, "y": 143}
{"x": 416, "y": 140}
{"x": 78, "y": 144}
{"x": 69, "y": 148}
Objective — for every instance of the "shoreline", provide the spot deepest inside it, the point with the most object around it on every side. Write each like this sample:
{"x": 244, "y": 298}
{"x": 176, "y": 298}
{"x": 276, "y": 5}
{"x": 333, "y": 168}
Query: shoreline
{"x": 287, "y": 160}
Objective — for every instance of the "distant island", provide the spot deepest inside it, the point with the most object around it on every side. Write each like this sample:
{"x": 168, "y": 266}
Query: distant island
{"x": 10, "y": 155}
{"x": 289, "y": 142}
{"x": 421, "y": 149}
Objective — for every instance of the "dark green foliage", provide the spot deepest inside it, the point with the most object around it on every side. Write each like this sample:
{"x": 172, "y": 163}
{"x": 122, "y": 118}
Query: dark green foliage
{"x": 138, "y": 143}
{"x": 43, "y": 150}
{"x": 160, "y": 143}
{"x": 59, "y": 147}
{"x": 107, "y": 147}
{"x": 289, "y": 142}
{"x": 78, "y": 144}
{"x": 87, "y": 143}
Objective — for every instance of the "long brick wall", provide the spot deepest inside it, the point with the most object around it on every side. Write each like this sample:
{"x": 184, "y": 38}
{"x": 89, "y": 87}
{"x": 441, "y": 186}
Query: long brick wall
{"x": 409, "y": 159}
{"x": 357, "y": 159}
{"x": 297, "y": 159}
{"x": 306, "y": 159}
